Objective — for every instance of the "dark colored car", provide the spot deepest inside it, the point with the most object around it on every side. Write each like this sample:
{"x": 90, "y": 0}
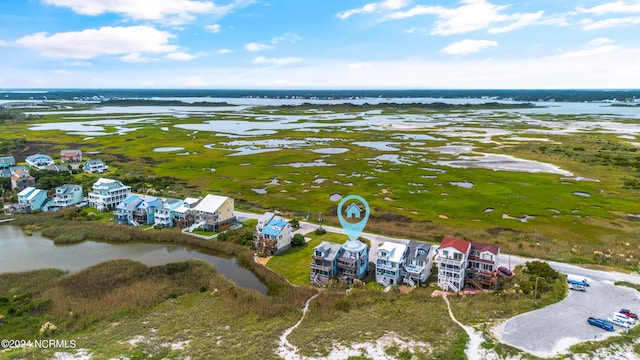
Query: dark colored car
{"x": 628, "y": 313}
{"x": 601, "y": 323}
{"x": 504, "y": 271}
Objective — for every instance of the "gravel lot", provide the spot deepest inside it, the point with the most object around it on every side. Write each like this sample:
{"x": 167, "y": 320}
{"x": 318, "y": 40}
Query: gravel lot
{"x": 553, "y": 329}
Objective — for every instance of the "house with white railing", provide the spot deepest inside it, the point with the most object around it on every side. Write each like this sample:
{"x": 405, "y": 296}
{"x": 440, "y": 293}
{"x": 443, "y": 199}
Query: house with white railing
{"x": 452, "y": 263}
{"x": 107, "y": 194}
{"x": 137, "y": 210}
{"x": 67, "y": 195}
{"x": 418, "y": 265}
{"x": 390, "y": 262}
{"x": 166, "y": 214}
{"x": 461, "y": 263}
{"x": 214, "y": 213}
{"x": 272, "y": 235}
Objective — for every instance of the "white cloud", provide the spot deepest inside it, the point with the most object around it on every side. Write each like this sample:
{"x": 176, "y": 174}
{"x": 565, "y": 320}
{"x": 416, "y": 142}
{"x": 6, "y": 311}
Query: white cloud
{"x": 135, "y": 58}
{"x": 62, "y": 72}
{"x": 373, "y": 7}
{"x": 472, "y": 15}
{"x": 612, "y": 7}
{"x": 3, "y": 43}
{"x": 609, "y": 23}
{"x": 521, "y": 20}
{"x": 288, "y": 37}
{"x": 600, "y": 41}
{"x": 107, "y": 40}
{"x": 179, "y": 55}
{"x": 468, "y": 46}
{"x": 276, "y": 61}
{"x": 214, "y": 28}
{"x": 224, "y": 51}
{"x": 172, "y": 11}
{"x": 254, "y": 47}
{"x": 79, "y": 63}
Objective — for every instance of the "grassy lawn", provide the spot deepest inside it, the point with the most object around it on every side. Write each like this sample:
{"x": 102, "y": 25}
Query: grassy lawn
{"x": 293, "y": 264}
{"x": 203, "y": 233}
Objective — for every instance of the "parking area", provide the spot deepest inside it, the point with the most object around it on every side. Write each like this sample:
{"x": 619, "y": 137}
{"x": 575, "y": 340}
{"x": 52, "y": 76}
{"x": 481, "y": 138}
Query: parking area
{"x": 553, "y": 329}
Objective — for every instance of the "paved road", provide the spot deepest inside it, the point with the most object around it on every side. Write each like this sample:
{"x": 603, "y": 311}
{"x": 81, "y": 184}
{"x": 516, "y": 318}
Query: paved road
{"x": 553, "y": 329}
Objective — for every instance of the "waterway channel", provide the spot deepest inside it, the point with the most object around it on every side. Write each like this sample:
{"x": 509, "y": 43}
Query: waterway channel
{"x": 22, "y": 252}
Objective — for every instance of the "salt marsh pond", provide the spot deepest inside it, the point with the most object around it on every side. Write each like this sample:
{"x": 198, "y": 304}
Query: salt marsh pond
{"x": 425, "y": 172}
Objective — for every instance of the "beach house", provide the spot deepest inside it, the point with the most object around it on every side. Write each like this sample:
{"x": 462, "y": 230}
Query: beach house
{"x": 107, "y": 194}
{"x": 346, "y": 262}
{"x": 39, "y": 161}
{"x": 67, "y": 195}
{"x": 452, "y": 263}
{"x": 390, "y": 263}
{"x": 31, "y": 199}
{"x": 71, "y": 156}
{"x": 214, "y": 213}
{"x": 272, "y": 235}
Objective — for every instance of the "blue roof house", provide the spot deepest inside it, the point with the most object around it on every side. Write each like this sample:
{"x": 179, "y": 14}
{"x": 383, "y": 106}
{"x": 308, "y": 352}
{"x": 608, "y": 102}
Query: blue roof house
{"x": 39, "y": 160}
{"x": 166, "y": 216}
{"x": 32, "y": 198}
{"x": 273, "y": 237}
{"x": 137, "y": 210}
{"x": 7, "y": 162}
{"x": 67, "y": 195}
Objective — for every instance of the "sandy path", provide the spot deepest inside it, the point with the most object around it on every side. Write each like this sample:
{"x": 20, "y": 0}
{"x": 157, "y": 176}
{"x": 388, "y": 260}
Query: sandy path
{"x": 473, "y": 350}
{"x": 285, "y": 349}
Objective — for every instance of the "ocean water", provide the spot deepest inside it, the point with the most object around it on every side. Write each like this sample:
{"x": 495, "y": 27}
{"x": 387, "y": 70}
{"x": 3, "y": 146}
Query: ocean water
{"x": 485, "y": 95}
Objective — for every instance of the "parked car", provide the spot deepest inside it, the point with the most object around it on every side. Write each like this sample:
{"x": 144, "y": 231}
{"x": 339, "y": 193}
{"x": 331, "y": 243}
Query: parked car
{"x": 577, "y": 282}
{"x": 615, "y": 320}
{"x": 601, "y": 323}
{"x": 505, "y": 272}
{"x": 629, "y": 313}
{"x": 624, "y": 318}
{"x": 577, "y": 287}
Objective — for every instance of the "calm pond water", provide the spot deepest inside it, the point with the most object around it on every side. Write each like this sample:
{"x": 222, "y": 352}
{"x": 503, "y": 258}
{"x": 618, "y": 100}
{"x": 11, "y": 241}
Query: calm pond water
{"x": 21, "y": 252}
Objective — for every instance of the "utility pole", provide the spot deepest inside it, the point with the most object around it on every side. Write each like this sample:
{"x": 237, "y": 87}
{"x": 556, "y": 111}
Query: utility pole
{"x": 535, "y": 292}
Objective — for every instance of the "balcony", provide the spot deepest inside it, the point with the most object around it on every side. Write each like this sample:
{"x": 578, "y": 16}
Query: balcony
{"x": 413, "y": 269}
{"x": 447, "y": 261}
{"x": 320, "y": 267}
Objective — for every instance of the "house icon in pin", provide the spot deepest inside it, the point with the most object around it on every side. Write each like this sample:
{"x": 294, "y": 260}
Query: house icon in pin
{"x": 353, "y": 211}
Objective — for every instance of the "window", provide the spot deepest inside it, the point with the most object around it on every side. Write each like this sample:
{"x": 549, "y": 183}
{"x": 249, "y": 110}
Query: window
{"x": 487, "y": 256}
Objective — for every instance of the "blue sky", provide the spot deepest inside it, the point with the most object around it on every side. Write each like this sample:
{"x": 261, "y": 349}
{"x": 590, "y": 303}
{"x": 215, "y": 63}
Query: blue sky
{"x": 319, "y": 44}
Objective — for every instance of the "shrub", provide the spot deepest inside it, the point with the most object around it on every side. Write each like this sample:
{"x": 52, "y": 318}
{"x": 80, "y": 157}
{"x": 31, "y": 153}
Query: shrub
{"x": 298, "y": 240}
{"x": 320, "y": 231}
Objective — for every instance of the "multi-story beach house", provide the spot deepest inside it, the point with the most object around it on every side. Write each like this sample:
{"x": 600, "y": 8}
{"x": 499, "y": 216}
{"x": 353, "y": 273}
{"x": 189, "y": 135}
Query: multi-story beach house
{"x": 7, "y": 162}
{"x": 452, "y": 263}
{"x": 31, "y": 199}
{"x": 94, "y": 166}
{"x": 418, "y": 265}
{"x": 403, "y": 263}
{"x": 214, "y": 213}
{"x": 390, "y": 263}
{"x": 71, "y": 156}
{"x": 20, "y": 180}
{"x": 483, "y": 265}
{"x": 462, "y": 262}
{"x": 137, "y": 210}
{"x": 67, "y": 195}
{"x": 346, "y": 262}
{"x": 272, "y": 235}
{"x": 39, "y": 161}
{"x": 107, "y": 194}
{"x": 166, "y": 215}
{"x": 324, "y": 266}
{"x": 182, "y": 215}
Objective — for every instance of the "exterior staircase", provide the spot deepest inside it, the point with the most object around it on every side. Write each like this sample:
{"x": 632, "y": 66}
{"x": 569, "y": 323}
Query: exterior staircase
{"x": 409, "y": 281}
{"x": 196, "y": 225}
{"x": 452, "y": 286}
{"x": 476, "y": 284}
{"x": 384, "y": 282}
{"x": 315, "y": 280}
